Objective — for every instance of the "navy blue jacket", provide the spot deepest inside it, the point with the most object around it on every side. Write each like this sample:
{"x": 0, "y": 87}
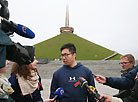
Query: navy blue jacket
{"x": 66, "y": 77}
{"x": 126, "y": 82}
{"x": 17, "y": 95}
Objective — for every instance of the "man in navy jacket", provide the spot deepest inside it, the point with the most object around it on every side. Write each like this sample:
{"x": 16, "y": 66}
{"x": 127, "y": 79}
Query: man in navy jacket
{"x": 67, "y": 77}
{"x": 126, "y": 81}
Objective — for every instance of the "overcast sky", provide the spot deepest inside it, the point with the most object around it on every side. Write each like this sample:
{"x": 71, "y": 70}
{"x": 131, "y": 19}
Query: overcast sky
{"x": 112, "y": 24}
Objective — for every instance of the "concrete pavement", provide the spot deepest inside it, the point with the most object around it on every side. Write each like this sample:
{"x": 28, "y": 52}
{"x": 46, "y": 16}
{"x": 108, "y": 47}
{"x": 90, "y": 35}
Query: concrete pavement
{"x": 105, "y": 68}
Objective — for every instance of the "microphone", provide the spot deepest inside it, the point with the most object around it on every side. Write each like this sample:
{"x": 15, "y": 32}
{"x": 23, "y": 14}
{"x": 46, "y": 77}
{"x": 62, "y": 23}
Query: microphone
{"x": 17, "y": 28}
{"x": 83, "y": 82}
{"x": 58, "y": 93}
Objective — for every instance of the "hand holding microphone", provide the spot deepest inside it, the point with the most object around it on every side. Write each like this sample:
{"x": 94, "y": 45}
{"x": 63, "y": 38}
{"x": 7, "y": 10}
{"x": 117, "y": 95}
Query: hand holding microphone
{"x": 58, "y": 93}
{"x": 49, "y": 100}
{"x": 83, "y": 83}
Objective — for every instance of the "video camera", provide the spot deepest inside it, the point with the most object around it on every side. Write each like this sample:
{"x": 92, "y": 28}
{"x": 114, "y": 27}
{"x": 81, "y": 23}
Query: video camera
{"x": 9, "y": 49}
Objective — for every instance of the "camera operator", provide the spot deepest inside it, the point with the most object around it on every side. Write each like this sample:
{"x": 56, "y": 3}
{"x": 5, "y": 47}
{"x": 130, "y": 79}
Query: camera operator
{"x": 5, "y": 86}
{"x": 10, "y": 50}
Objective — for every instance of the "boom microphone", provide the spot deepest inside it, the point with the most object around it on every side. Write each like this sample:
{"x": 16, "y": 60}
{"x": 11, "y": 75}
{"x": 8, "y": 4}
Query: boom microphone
{"x": 17, "y": 28}
{"x": 83, "y": 83}
{"x": 58, "y": 93}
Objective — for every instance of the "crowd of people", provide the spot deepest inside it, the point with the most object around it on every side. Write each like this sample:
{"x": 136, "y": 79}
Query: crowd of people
{"x": 24, "y": 83}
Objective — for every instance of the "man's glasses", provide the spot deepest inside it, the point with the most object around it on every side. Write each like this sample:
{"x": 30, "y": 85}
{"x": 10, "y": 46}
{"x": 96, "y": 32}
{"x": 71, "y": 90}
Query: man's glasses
{"x": 65, "y": 54}
{"x": 123, "y": 63}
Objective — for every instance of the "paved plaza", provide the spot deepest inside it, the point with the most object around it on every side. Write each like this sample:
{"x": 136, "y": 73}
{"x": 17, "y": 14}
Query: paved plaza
{"x": 105, "y": 68}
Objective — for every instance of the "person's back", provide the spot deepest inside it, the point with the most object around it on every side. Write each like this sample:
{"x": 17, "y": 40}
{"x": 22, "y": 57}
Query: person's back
{"x": 132, "y": 95}
{"x": 129, "y": 95}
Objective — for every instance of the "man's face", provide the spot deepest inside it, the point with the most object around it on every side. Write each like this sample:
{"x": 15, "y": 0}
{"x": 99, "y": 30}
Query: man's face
{"x": 67, "y": 57}
{"x": 125, "y": 64}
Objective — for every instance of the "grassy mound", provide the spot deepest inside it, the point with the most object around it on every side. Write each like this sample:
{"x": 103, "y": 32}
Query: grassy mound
{"x": 86, "y": 50}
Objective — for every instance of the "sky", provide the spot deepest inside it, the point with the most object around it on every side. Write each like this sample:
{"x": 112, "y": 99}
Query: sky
{"x": 112, "y": 24}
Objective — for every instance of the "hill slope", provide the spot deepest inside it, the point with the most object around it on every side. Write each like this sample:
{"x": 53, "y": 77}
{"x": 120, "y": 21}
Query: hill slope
{"x": 86, "y": 50}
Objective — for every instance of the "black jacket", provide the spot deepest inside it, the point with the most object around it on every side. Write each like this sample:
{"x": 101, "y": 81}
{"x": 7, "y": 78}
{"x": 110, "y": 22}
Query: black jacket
{"x": 133, "y": 94}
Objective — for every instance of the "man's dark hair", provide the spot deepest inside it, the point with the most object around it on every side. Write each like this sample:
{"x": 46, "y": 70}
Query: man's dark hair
{"x": 69, "y": 46}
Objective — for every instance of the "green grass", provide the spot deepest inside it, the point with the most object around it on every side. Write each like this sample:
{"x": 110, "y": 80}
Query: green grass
{"x": 86, "y": 50}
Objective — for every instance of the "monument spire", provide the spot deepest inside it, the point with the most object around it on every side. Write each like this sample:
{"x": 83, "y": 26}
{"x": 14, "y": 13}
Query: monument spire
{"x": 67, "y": 29}
{"x": 67, "y": 16}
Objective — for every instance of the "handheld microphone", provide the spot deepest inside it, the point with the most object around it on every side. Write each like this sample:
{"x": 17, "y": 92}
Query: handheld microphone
{"x": 17, "y": 28}
{"x": 83, "y": 83}
{"x": 58, "y": 93}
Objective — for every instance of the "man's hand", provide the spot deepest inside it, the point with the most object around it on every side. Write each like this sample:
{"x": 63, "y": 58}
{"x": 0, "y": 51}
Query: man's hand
{"x": 49, "y": 100}
{"x": 100, "y": 79}
{"x": 111, "y": 99}
{"x": 107, "y": 98}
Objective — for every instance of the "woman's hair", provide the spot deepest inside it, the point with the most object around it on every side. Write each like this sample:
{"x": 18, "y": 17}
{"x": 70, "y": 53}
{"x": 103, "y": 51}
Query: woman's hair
{"x": 23, "y": 70}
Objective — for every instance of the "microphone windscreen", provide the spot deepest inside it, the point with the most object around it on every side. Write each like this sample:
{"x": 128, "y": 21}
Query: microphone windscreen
{"x": 59, "y": 92}
{"x": 24, "y": 31}
{"x": 82, "y": 81}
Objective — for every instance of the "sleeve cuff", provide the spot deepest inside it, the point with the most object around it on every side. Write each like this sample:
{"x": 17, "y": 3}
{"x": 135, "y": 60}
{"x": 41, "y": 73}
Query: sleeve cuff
{"x": 106, "y": 81}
